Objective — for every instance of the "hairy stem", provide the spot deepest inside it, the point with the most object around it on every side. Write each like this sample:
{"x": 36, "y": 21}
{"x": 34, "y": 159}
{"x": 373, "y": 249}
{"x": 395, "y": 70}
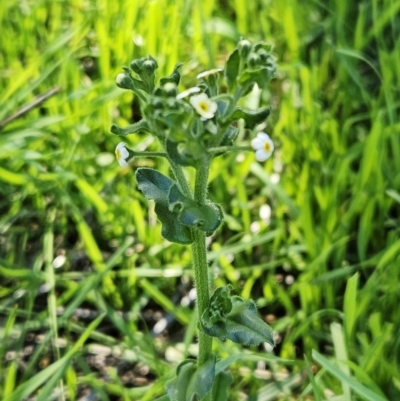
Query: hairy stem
{"x": 179, "y": 175}
{"x": 199, "y": 254}
{"x": 222, "y": 149}
{"x": 200, "y": 188}
{"x": 200, "y": 265}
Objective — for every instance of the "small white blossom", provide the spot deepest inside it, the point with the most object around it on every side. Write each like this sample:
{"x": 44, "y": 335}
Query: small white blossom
{"x": 263, "y": 146}
{"x": 122, "y": 154}
{"x": 188, "y": 92}
{"x": 204, "y": 105}
{"x": 205, "y": 74}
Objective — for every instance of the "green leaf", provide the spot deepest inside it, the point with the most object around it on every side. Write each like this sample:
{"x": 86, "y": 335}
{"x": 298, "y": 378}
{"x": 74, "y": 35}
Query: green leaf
{"x": 192, "y": 382}
{"x": 262, "y": 45}
{"x": 357, "y": 387}
{"x": 221, "y": 386}
{"x": 224, "y": 104}
{"x": 236, "y": 319}
{"x": 251, "y": 117}
{"x": 175, "y": 77}
{"x": 49, "y": 376}
{"x": 230, "y": 136}
{"x": 206, "y": 217}
{"x": 221, "y": 303}
{"x": 232, "y": 69}
{"x": 175, "y": 120}
{"x": 138, "y": 85}
{"x": 210, "y": 127}
{"x": 260, "y": 76}
{"x": 140, "y": 126}
{"x": 313, "y": 382}
{"x": 177, "y": 157}
{"x": 156, "y": 186}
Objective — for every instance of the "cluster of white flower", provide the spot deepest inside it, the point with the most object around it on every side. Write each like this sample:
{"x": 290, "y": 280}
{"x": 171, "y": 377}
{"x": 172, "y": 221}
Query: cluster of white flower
{"x": 207, "y": 108}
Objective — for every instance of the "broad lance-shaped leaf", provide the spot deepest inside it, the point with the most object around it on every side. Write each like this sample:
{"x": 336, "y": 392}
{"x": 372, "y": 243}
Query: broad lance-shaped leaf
{"x": 232, "y": 69}
{"x": 192, "y": 382}
{"x": 221, "y": 386}
{"x": 235, "y": 319}
{"x": 206, "y": 217}
{"x": 140, "y": 126}
{"x": 261, "y": 76}
{"x": 156, "y": 186}
{"x": 251, "y": 117}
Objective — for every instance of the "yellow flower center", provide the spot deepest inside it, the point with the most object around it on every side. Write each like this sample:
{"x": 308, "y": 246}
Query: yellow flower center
{"x": 267, "y": 147}
{"x": 203, "y": 106}
{"x": 118, "y": 154}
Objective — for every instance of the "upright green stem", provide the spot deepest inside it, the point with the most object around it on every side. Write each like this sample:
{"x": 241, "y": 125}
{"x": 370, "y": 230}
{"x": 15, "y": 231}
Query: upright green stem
{"x": 179, "y": 175}
{"x": 199, "y": 250}
{"x": 200, "y": 265}
{"x": 199, "y": 253}
{"x": 200, "y": 187}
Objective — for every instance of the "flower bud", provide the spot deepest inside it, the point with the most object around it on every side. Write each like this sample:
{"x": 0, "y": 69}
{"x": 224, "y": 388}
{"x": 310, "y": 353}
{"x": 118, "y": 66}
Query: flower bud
{"x": 157, "y": 103}
{"x": 120, "y": 79}
{"x": 170, "y": 89}
{"x": 244, "y": 47}
{"x": 172, "y": 103}
{"x": 149, "y": 66}
{"x": 124, "y": 81}
{"x": 253, "y": 60}
{"x": 136, "y": 65}
{"x": 263, "y": 54}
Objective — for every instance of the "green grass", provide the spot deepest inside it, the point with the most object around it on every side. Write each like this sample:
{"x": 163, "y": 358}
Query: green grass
{"x": 324, "y": 268}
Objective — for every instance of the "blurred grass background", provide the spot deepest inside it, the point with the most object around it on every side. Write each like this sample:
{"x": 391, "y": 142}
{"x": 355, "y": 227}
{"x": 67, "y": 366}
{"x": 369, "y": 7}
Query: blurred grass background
{"x": 95, "y": 305}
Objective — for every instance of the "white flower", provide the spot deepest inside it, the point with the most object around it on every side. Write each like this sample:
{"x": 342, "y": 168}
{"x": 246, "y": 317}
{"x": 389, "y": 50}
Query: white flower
{"x": 263, "y": 146}
{"x": 205, "y": 74}
{"x": 122, "y": 154}
{"x": 204, "y": 105}
{"x": 188, "y": 92}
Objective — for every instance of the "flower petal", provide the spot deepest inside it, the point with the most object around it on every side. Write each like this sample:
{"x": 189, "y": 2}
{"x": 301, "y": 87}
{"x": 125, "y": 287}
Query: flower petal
{"x": 124, "y": 153}
{"x": 256, "y": 143}
{"x": 263, "y": 136}
{"x": 120, "y": 146}
{"x": 261, "y": 155}
{"x": 123, "y": 163}
{"x": 188, "y": 92}
{"x": 209, "y": 72}
{"x": 204, "y": 105}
